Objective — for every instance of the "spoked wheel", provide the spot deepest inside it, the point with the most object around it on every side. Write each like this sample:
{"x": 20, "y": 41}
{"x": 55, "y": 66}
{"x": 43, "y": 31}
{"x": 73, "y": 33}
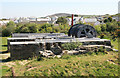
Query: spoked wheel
{"x": 80, "y": 31}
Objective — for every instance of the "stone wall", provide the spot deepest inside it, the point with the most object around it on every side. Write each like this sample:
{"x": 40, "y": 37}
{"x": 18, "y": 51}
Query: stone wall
{"x": 24, "y": 51}
{"x": 16, "y": 40}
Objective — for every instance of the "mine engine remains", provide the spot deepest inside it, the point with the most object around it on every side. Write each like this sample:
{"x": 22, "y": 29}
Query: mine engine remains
{"x": 28, "y": 45}
{"x": 81, "y": 30}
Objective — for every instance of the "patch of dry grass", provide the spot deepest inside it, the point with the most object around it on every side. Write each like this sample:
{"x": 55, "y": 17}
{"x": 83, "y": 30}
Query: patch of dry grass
{"x": 75, "y": 65}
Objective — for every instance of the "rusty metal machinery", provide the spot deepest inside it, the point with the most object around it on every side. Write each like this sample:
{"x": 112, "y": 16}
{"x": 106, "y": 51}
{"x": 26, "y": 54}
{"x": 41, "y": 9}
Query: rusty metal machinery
{"x": 81, "y": 30}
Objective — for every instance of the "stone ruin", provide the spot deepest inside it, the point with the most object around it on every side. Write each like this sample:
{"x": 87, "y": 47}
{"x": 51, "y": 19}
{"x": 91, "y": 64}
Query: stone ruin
{"x": 28, "y": 45}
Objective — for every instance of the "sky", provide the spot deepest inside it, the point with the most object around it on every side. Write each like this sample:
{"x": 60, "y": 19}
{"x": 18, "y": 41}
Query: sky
{"x": 41, "y": 8}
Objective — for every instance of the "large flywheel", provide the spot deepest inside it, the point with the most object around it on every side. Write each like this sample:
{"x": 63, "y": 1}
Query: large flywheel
{"x": 81, "y": 30}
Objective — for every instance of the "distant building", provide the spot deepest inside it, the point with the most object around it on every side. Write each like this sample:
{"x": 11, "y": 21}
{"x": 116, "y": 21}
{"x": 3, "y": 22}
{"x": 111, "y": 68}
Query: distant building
{"x": 97, "y": 23}
{"x": 4, "y": 22}
{"x": 54, "y": 19}
{"x": 23, "y": 20}
{"x": 69, "y": 21}
{"x": 115, "y": 18}
{"x": 89, "y": 20}
{"x": 100, "y": 18}
{"x": 41, "y": 20}
{"x": 75, "y": 20}
{"x": 94, "y": 21}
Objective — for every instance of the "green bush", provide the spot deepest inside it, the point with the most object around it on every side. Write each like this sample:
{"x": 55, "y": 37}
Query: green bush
{"x": 39, "y": 58}
{"x": 98, "y": 29}
{"x": 61, "y": 20}
{"x": 26, "y": 28}
{"x": 71, "y": 46}
{"x": 6, "y": 32}
{"x": 103, "y": 27}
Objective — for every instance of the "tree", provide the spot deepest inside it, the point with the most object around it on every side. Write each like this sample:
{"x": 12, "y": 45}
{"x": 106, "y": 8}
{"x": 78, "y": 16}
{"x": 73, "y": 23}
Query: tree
{"x": 46, "y": 28}
{"x": 49, "y": 29}
{"x": 32, "y": 28}
{"x": 6, "y": 32}
{"x": 110, "y": 27}
{"x": 118, "y": 23}
{"x": 11, "y": 26}
{"x": 0, "y": 31}
{"x": 25, "y": 30}
{"x": 61, "y": 20}
{"x": 11, "y": 23}
{"x": 110, "y": 19}
{"x": 19, "y": 27}
{"x": 106, "y": 20}
{"x": 103, "y": 27}
{"x": 98, "y": 29}
{"x": 8, "y": 29}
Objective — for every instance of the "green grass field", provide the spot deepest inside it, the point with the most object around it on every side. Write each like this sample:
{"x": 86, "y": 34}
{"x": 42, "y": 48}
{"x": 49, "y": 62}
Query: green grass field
{"x": 75, "y": 65}
{"x": 99, "y": 64}
{"x": 3, "y": 43}
{"x": 115, "y": 44}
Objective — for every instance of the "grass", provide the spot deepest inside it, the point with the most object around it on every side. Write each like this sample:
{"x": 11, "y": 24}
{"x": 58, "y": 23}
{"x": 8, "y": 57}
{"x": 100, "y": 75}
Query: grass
{"x": 3, "y": 44}
{"x": 99, "y": 64}
{"x": 69, "y": 65}
{"x": 115, "y": 44}
{"x": 6, "y": 71}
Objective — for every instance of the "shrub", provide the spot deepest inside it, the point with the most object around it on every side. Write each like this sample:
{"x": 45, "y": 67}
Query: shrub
{"x": 103, "y": 27}
{"x": 71, "y": 46}
{"x": 98, "y": 29}
{"x": 39, "y": 58}
{"x": 6, "y": 32}
{"x": 61, "y": 20}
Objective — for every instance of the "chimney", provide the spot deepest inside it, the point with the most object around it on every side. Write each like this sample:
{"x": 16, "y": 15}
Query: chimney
{"x": 72, "y": 20}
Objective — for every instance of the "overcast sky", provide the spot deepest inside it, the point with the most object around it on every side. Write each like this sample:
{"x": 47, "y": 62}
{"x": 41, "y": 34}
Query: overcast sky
{"x": 38, "y": 8}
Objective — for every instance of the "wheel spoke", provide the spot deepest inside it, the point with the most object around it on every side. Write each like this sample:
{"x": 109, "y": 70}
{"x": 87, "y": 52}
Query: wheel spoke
{"x": 85, "y": 31}
{"x": 89, "y": 31}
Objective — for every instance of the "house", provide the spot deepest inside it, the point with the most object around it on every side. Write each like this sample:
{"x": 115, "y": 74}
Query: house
{"x": 97, "y": 23}
{"x": 100, "y": 18}
{"x": 32, "y": 18}
{"x": 41, "y": 20}
{"x": 116, "y": 18}
{"x": 4, "y": 22}
{"x": 69, "y": 21}
{"x": 93, "y": 21}
{"x": 89, "y": 20}
{"x": 23, "y": 20}
{"x": 75, "y": 20}
{"x": 53, "y": 19}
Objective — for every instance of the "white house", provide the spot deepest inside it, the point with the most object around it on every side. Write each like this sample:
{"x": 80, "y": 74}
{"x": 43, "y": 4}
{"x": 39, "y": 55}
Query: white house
{"x": 69, "y": 21}
{"x": 23, "y": 20}
{"x": 89, "y": 20}
{"x": 75, "y": 20}
{"x": 53, "y": 19}
{"x": 97, "y": 23}
{"x": 41, "y": 20}
{"x": 115, "y": 18}
{"x": 4, "y": 22}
